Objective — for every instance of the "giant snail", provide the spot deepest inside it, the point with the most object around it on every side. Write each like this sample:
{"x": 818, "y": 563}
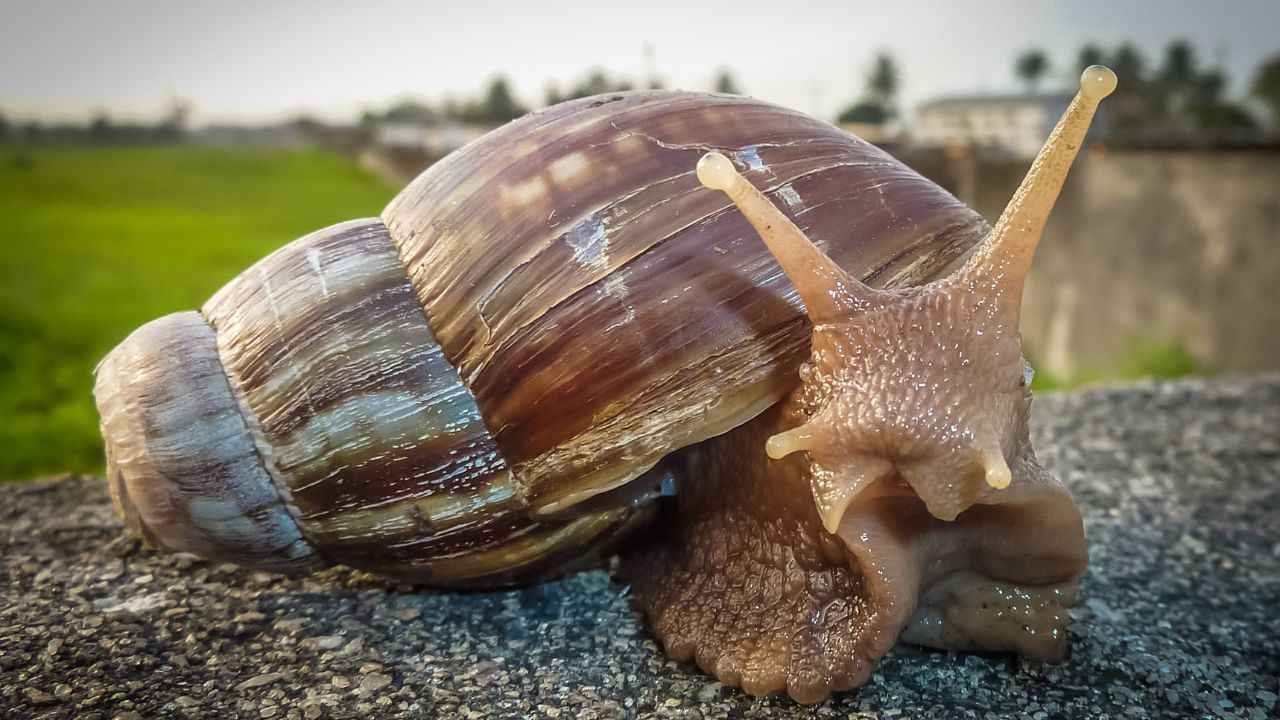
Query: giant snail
{"x": 555, "y": 328}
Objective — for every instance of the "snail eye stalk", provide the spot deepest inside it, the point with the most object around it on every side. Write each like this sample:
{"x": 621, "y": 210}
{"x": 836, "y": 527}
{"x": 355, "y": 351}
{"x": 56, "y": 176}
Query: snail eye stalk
{"x": 1001, "y": 263}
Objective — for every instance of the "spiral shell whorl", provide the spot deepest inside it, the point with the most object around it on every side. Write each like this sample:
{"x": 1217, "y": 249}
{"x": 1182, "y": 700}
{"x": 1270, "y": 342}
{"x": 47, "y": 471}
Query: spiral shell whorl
{"x": 182, "y": 467}
{"x": 336, "y": 410}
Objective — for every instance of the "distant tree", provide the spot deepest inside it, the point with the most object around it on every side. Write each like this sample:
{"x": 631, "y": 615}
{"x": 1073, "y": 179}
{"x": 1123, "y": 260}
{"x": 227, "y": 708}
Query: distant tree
{"x": 174, "y": 123}
{"x": 1177, "y": 97}
{"x": 1137, "y": 107}
{"x": 499, "y": 104}
{"x": 1189, "y": 98}
{"x": 553, "y": 96}
{"x": 1266, "y": 86}
{"x": 307, "y": 125}
{"x": 1179, "y": 68}
{"x": 597, "y": 82}
{"x": 1210, "y": 110}
{"x": 877, "y": 105}
{"x": 1175, "y": 84}
{"x": 178, "y": 116}
{"x": 100, "y": 127}
{"x": 1128, "y": 63}
{"x": 865, "y": 111}
{"x": 882, "y": 83}
{"x": 4, "y": 127}
{"x": 1207, "y": 88}
{"x": 1222, "y": 116}
{"x": 725, "y": 82}
{"x": 410, "y": 111}
{"x": 1031, "y": 66}
{"x": 1090, "y": 54}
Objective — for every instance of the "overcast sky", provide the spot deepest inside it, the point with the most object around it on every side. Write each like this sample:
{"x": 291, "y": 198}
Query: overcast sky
{"x": 250, "y": 61}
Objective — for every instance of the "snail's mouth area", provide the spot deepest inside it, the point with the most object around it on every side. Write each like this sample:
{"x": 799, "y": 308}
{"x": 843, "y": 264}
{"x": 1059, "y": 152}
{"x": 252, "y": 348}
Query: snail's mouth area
{"x": 998, "y": 577}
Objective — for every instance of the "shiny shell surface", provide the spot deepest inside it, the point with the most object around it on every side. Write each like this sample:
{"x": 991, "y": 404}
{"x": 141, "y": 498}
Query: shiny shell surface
{"x": 605, "y": 309}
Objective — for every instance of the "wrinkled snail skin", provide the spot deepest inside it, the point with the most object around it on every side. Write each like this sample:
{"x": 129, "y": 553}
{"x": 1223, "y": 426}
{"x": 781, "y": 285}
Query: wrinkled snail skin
{"x": 742, "y": 578}
{"x": 485, "y": 386}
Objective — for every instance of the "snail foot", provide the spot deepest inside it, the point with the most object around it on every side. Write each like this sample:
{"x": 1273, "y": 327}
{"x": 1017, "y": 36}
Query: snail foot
{"x": 758, "y": 615}
{"x": 740, "y": 577}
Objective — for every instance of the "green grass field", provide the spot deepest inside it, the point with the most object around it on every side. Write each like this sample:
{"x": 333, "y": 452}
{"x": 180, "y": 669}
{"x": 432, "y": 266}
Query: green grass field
{"x": 97, "y": 241}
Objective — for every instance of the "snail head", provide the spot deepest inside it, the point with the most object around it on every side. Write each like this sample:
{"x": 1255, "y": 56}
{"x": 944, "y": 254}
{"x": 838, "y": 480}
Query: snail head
{"x": 918, "y": 390}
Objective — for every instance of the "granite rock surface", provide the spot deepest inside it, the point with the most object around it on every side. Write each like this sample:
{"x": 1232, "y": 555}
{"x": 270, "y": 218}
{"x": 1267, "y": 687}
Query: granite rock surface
{"x": 1180, "y": 614}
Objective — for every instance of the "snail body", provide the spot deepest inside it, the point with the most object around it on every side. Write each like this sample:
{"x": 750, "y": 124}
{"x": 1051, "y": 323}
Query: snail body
{"x": 489, "y": 383}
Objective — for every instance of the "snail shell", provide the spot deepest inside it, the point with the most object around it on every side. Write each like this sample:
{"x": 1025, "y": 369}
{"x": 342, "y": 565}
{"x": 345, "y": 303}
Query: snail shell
{"x": 470, "y": 389}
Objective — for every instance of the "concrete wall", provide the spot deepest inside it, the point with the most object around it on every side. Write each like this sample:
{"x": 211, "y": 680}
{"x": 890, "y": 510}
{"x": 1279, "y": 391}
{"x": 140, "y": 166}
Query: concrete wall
{"x": 1147, "y": 247}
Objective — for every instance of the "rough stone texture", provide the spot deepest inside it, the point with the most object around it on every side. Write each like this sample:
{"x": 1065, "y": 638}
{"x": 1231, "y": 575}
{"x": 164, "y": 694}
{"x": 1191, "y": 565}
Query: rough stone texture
{"x": 1180, "y": 484}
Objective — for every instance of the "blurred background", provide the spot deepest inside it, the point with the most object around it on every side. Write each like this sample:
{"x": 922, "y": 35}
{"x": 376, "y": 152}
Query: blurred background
{"x": 149, "y": 151}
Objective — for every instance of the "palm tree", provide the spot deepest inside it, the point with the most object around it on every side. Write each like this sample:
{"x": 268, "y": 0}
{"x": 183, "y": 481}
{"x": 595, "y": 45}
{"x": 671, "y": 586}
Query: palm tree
{"x": 1031, "y": 66}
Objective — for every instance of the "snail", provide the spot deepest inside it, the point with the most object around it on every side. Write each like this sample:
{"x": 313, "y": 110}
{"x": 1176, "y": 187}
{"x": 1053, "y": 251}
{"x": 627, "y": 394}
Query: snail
{"x": 566, "y": 339}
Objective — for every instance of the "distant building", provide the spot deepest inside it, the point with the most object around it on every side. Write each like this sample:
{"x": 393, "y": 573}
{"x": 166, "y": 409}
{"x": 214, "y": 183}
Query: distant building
{"x": 437, "y": 139}
{"x": 278, "y": 135}
{"x": 415, "y": 127}
{"x": 1014, "y": 124}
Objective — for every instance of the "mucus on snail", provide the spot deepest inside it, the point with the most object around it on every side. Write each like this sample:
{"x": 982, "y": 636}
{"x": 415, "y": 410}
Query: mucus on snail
{"x": 486, "y": 386}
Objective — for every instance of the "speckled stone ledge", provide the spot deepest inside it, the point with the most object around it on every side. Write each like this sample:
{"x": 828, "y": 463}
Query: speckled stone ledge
{"x": 1179, "y": 482}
